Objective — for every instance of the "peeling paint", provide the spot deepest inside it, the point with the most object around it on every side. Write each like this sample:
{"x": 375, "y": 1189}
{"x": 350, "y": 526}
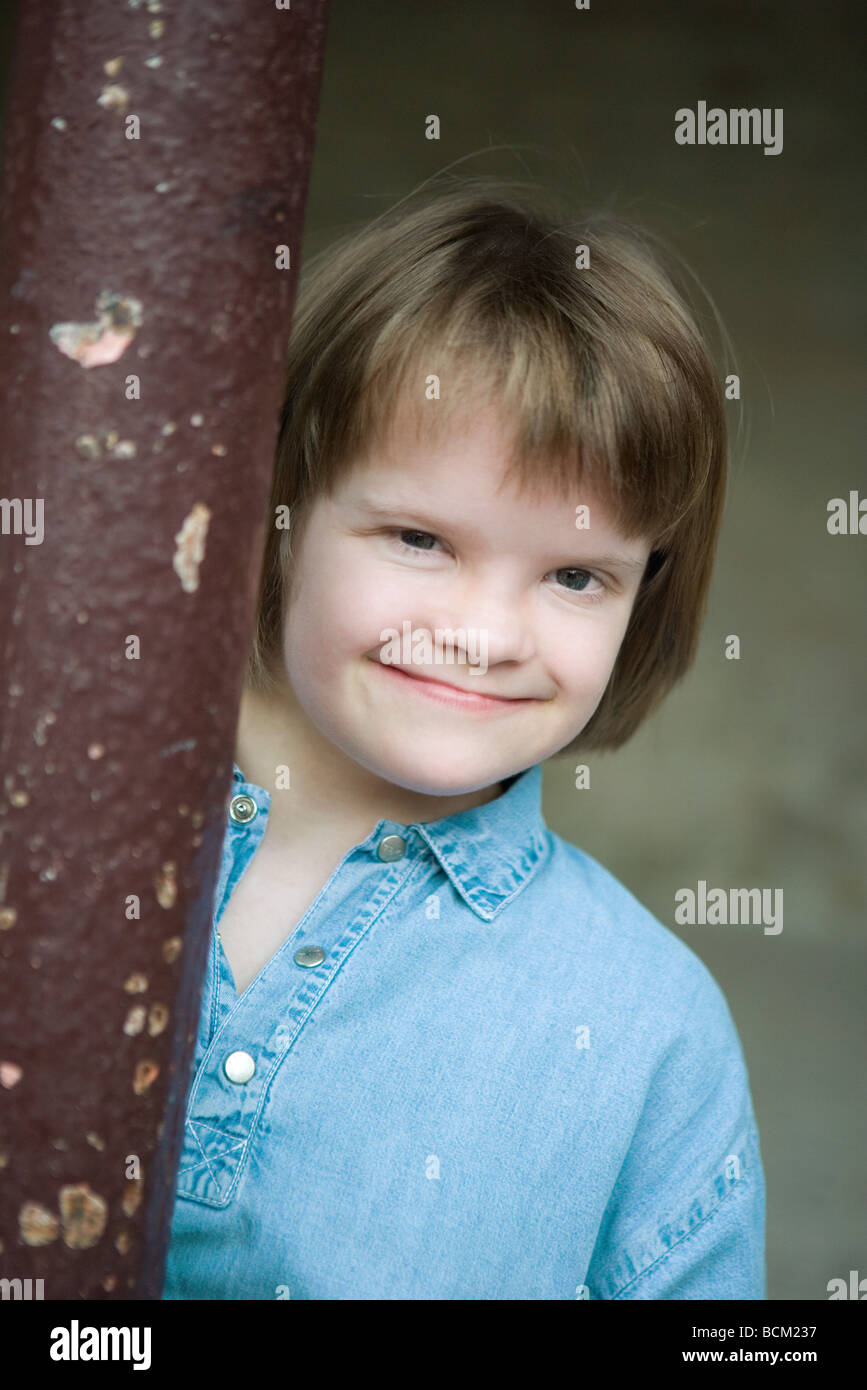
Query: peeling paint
{"x": 132, "y": 1196}
{"x": 172, "y": 947}
{"x": 122, "y": 1242}
{"x": 8, "y": 918}
{"x": 104, "y": 340}
{"x": 58, "y": 123}
{"x": 114, "y": 97}
{"x": 166, "y": 885}
{"x": 190, "y": 546}
{"x": 49, "y": 717}
{"x": 38, "y": 1225}
{"x": 135, "y": 1020}
{"x": 146, "y": 1073}
{"x": 83, "y": 1214}
{"x": 10, "y": 1075}
{"x": 112, "y": 67}
{"x": 88, "y": 446}
{"x": 96, "y": 750}
{"x": 157, "y": 1019}
{"x": 183, "y": 746}
{"x": 95, "y": 1140}
{"x": 136, "y": 983}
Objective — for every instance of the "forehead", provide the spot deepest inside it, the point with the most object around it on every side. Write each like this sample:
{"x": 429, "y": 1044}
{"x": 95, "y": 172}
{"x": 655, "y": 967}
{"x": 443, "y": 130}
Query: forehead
{"x": 463, "y": 469}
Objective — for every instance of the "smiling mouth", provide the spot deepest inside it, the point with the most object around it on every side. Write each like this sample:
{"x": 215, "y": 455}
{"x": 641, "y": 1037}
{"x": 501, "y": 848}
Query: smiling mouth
{"x": 444, "y": 693}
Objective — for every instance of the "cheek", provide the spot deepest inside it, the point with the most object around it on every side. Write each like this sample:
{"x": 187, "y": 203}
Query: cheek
{"x": 340, "y": 611}
{"x": 582, "y": 658}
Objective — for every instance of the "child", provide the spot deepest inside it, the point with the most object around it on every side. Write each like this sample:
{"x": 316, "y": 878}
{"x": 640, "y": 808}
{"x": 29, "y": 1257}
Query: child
{"x": 443, "y": 1053}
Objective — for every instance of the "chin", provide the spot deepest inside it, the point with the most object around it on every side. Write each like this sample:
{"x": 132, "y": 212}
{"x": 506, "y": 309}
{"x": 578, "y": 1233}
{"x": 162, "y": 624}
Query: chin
{"x": 430, "y": 778}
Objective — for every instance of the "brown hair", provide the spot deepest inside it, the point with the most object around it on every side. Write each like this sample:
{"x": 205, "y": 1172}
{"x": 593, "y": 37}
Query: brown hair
{"x": 602, "y": 369}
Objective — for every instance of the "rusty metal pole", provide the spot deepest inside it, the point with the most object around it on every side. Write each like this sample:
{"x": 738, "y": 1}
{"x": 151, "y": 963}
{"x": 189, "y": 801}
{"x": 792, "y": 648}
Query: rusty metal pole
{"x": 157, "y": 162}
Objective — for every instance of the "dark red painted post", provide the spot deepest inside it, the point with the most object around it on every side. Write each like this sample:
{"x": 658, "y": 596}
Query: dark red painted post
{"x": 157, "y": 159}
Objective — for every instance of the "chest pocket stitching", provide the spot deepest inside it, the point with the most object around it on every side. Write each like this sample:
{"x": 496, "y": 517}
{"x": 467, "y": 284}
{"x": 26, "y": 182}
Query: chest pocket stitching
{"x": 235, "y": 1143}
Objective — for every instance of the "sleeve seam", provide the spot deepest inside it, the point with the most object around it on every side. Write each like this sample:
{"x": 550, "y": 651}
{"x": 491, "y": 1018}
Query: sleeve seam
{"x": 742, "y": 1185}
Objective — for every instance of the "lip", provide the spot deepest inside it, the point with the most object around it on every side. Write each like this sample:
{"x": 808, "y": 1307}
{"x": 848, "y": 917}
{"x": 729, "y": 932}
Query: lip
{"x": 446, "y": 694}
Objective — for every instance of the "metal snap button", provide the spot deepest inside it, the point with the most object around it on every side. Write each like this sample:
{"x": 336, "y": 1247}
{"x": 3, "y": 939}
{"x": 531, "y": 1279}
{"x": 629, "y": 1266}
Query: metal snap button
{"x": 239, "y": 1067}
{"x": 391, "y": 847}
{"x": 243, "y": 809}
{"x": 309, "y": 955}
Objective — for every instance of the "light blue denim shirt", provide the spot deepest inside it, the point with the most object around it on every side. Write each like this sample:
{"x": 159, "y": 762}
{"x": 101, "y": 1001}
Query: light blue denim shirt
{"x": 504, "y": 1079}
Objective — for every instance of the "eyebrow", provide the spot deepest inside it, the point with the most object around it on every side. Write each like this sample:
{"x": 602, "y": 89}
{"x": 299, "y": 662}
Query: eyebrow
{"x": 374, "y": 508}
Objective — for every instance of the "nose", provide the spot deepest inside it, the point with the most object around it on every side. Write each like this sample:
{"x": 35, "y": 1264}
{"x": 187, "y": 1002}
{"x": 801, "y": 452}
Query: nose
{"x": 487, "y": 620}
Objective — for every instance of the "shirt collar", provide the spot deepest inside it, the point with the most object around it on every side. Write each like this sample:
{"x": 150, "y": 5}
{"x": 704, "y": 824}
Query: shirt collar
{"x": 489, "y": 852}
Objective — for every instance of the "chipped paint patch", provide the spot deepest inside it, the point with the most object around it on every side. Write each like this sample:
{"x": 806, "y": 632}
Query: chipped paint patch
{"x": 38, "y": 1225}
{"x": 131, "y": 1196}
{"x": 190, "y": 546}
{"x": 146, "y": 1073}
{"x": 83, "y": 1214}
{"x": 104, "y": 340}
{"x": 184, "y": 745}
{"x": 157, "y": 1019}
{"x": 136, "y": 984}
{"x": 8, "y": 918}
{"x": 135, "y": 1020}
{"x": 88, "y": 446}
{"x": 114, "y": 97}
{"x": 172, "y": 949}
{"x": 112, "y": 67}
{"x": 166, "y": 884}
{"x": 10, "y": 1075}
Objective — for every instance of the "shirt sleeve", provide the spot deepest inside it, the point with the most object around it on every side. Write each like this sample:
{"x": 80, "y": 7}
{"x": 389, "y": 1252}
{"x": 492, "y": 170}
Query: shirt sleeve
{"x": 686, "y": 1219}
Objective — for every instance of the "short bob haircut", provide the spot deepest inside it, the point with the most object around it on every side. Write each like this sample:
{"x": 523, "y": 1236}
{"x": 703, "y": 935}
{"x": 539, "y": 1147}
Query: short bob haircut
{"x": 601, "y": 369}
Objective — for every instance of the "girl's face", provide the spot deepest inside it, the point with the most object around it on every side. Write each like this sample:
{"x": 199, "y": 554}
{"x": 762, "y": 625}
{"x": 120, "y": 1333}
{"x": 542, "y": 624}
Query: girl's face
{"x": 419, "y": 535}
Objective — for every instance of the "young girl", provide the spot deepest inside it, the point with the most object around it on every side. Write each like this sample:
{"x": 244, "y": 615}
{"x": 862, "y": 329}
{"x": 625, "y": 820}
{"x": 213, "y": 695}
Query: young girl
{"x": 443, "y": 1053}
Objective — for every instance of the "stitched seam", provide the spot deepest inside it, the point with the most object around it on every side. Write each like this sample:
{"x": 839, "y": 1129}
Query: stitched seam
{"x": 660, "y": 1260}
{"x": 202, "y": 1152}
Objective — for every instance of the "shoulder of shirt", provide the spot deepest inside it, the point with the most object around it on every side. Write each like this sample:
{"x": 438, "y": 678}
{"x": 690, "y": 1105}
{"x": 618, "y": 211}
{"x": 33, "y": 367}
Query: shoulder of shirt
{"x": 582, "y": 896}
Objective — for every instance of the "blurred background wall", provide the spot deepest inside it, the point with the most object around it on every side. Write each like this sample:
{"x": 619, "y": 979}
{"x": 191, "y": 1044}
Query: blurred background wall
{"x": 754, "y": 772}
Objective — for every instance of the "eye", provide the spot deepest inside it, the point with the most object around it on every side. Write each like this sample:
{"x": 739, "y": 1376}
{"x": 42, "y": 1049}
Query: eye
{"x": 576, "y": 580}
{"x": 414, "y": 536}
